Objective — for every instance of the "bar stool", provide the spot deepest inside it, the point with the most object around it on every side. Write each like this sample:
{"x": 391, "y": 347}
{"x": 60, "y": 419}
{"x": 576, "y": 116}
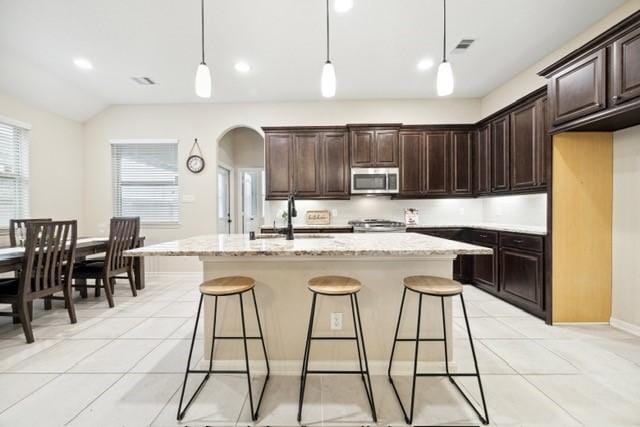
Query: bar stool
{"x": 436, "y": 287}
{"x": 337, "y": 286}
{"x": 223, "y": 287}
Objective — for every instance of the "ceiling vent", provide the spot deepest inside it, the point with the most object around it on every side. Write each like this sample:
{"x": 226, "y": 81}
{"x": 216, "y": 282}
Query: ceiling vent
{"x": 143, "y": 81}
{"x": 463, "y": 46}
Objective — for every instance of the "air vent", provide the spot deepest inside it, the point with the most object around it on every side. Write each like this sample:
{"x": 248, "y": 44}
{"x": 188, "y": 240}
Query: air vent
{"x": 143, "y": 80}
{"x": 463, "y": 45}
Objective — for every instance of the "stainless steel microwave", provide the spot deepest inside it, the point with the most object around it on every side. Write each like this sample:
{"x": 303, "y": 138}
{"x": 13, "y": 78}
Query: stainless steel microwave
{"x": 374, "y": 180}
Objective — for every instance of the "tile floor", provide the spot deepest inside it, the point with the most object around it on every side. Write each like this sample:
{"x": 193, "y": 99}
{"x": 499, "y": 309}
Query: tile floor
{"x": 124, "y": 367}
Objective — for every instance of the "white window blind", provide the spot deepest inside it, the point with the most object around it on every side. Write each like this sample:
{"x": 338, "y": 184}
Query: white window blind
{"x": 145, "y": 180}
{"x": 14, "y": 172}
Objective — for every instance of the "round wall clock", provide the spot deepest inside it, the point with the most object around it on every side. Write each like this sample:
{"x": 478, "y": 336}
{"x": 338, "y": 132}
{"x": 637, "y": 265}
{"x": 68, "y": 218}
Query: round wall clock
{"x": 195, "y": 162}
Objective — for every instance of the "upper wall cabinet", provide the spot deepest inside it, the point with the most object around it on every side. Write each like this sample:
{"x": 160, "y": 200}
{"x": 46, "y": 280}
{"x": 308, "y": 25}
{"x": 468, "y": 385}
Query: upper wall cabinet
{"x": 500, "y": 154}
{"x": 374, "y": 146}
{"x": 524, "y": 135}
{"x": 482, "y": 154}
{"x": 278, "y": 164}
{"x": 411, "y": 163}
{"x": 597, "y": 86}
{"x": 437, "y": 163}
{"x": 461, "y": 163}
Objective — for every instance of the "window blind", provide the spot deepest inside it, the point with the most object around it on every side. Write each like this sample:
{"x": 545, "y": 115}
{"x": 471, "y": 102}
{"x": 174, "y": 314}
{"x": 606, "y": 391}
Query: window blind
{"x": 14, "y": 173}
{"x": 145, "y": 180}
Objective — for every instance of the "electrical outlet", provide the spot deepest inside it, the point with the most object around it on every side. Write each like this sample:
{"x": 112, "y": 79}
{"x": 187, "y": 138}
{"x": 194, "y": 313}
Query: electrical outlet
{"x": 334, "y": 212}
{"x": 336, "y": 321}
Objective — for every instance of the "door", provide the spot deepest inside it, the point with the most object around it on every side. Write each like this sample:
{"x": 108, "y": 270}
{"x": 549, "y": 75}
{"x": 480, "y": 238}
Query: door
{"x": 306, "y": 164}
{"x": 626, "y": 68}
{"x": 543, "y": 141}
{"x": 579, "y": 89}
{"x": 437, "y": 174}
{"x": 411, "y": 160}
{"x": 524, "y": 133}
{"x": 362, "y": 148}
{"x": 386, "y": 148}
{"x": 279, "y": 168}
{"x": 251, "y": 196}
{"x": 483, "y": 160}
{"x": 521, "y": 278}
{"x": 461, "y": 169}
{"x": 335, "y": 165}
{"x": 500, "y": 154}
{"x": 224, "y": 200}
{"x": 484, "y": 269}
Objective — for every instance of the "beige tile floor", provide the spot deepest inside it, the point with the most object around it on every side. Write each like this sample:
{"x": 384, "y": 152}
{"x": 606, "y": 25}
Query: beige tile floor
{"x": 124, "y": 367}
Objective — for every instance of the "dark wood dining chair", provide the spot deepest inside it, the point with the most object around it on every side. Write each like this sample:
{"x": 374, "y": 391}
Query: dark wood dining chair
{"x": 123, "y": 235}
{"x": 47, "y": 269}
{"x": 18, "y": 226}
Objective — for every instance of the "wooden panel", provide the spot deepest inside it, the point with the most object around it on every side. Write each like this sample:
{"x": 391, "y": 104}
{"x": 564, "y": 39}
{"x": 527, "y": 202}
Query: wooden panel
{"x": 524, "y": 133}
{"x": 500, "y": 155}
{"x": 483, "y": 160}
{"x": 626, "y": 68}
{"x": 335, "y": 165}
{"x": 436, "y": 180}
{"x": 386, "y": 148}
{"x": 579, "y": 89}
{"x": 543, "y": 141}
{"x": 362, "y": 148}
{"x": 411, "y": 163}
{"x": 306, "y": 164}
{"x": 582, "y": 210}
{"x": 278, "y": 169}
{"x": 521, "y": 278}
{"x": 461, "y": 166}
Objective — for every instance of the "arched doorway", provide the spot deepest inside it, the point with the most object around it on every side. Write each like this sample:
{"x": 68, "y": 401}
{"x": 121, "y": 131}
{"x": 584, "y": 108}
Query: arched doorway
{"x": 240, "y": 176}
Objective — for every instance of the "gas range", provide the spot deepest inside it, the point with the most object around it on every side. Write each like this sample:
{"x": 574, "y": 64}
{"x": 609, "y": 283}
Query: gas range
{"x": 377, "y": 226}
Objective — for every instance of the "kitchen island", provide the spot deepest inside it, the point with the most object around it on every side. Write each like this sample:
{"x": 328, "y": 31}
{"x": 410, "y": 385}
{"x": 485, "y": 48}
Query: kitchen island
{"x": 282, "y": 268}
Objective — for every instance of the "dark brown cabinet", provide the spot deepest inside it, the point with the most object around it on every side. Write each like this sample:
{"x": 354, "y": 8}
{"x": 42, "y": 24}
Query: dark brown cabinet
{"x": 436, "y": 159}
{"x": 335, "y": 165}
{"x": 461, "y": 163}
{"x": 411, "y": 162}
{"x": 278, "y": 164}
{"x": 374, "y": 147}
{"x": 500, "y": 170}
{"x": 307, "y": 164}
{"x": 524, "y": 146}
{"x": 484, "y": 271}
{"x": 626, "y": 68}
{"x": 543, "y": 141}
{"x": 483, "y": 160}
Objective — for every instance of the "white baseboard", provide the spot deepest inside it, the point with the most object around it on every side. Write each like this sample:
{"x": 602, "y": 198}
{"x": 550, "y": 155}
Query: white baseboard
{"x": 625, "y": 326}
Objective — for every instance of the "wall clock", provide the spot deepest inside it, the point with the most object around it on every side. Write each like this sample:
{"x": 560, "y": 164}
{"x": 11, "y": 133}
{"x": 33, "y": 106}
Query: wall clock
{"x": 195, "y": 162}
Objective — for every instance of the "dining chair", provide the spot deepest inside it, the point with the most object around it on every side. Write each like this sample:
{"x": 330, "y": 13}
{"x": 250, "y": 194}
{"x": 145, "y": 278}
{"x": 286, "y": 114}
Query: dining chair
{"x": 46, "y": 270}
{"x": 17, "y": 230}
{"x": 123, "y": 235}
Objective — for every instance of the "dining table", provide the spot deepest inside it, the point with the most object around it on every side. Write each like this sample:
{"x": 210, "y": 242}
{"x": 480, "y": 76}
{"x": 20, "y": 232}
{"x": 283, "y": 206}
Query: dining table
{"x": 11, "y": 258}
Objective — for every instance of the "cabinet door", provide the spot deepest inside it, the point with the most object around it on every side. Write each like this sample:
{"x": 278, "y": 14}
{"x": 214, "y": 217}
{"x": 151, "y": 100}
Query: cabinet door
{"x": 579, "y": 89}
{"x": 278, "y": 170}
{"x": 524, "y": 134}
{"x": 484, "y": 270}
{"x": 543, "y": 141}
{"x": 411, "y": 161}
{"x": 483, "y": 160}
{"x": 626, "y": 68}
{"x": 500, "y": 155}
{"x": 436, "y": 173}
{"x": 306, "y": 164}
{"x": 461, "y": 166}
{"x": 386, "y": 148}
{"x": 521, "y": 278}
{"x": 362, "y": 142}
{"x": 335, "y": 165}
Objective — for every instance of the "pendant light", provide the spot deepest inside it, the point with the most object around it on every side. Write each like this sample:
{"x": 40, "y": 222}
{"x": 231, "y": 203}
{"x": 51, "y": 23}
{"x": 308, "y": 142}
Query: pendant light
{"x": 328, "y": 80}
{"x": 203, "y": 75}
{"x": 444, "y": 81}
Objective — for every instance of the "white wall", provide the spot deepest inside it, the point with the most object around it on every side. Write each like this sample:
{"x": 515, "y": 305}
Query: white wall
{"x": 56, "y": 162}
{"x": 626, "y": 228}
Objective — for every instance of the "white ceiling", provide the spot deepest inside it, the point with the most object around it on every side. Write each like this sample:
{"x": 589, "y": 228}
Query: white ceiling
{"x": 375, "y": 47}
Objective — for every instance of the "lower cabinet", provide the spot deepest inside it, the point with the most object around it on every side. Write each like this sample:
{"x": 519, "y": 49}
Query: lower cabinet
{"x": 521, "y": 280}
{"x": 485, "y": 269}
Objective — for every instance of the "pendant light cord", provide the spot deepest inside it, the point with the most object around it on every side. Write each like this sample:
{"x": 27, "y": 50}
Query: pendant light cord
{"x": 444, "y": 38}
{"x": 328, "y": 60}
{"x": 202, "y": 26}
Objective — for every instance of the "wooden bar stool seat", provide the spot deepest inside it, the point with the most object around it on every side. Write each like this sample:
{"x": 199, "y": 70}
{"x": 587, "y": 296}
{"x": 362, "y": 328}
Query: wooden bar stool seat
{"x": 230, "y": 285}
{"x": 334, "y": 285}
{"x": 432, "y": 285}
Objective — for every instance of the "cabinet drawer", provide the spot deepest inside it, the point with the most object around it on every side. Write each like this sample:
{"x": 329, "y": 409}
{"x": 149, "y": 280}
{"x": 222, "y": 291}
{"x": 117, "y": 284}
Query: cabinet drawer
{"x": 522, "y": 241}
{"x": 484, "y": 236}
{"x": 443, "y": 233}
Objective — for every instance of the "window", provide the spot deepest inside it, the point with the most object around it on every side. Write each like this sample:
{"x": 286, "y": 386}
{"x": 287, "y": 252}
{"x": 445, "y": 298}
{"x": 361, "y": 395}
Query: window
{"x": 145, "y": 180}
{"x": 14, "y": 171}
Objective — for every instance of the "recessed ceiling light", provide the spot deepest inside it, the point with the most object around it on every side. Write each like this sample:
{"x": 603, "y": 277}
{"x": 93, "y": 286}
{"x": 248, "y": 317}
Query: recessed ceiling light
{"x": 83, "y": 64}
{"x": 342, "y": 6}
{"x": 242, "y": 67}
{"x": 425, "y": 64}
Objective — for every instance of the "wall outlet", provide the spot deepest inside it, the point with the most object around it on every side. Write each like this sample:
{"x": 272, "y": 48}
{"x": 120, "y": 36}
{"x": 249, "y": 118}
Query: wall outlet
{"x": 334, "y": 212}
{"x": 336, "y": 321}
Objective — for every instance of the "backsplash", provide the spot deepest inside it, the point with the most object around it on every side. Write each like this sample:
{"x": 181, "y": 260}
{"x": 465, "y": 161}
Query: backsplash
{"x": 530, "y": 209}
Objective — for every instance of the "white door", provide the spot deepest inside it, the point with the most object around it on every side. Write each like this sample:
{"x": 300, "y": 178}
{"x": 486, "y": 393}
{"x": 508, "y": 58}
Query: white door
{"x": 224, "y": 200}
{"x": 252, "y": 195}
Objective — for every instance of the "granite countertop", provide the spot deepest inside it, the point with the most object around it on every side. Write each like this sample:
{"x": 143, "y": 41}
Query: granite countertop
{"x": 346, "y": 244}
{"x": 309, "y": 226}
{"x": 527, "y": 229}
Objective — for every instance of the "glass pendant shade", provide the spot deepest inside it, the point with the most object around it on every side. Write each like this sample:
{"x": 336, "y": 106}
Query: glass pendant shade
{"x": 203, "y": 81}
{"x": 328, "y": 81}
{"x": 444, "y": 82}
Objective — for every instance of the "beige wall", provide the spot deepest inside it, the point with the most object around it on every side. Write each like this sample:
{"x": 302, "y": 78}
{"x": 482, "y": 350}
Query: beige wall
{"x": 528, "y": 80}
{"x": 56, "y": 161}
{"x": 626, "y": 228}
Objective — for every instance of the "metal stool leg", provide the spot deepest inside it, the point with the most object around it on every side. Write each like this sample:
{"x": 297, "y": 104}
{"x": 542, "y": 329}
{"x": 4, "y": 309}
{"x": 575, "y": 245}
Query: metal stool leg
{"x": 246, "y": 358}
{"x": 186, "y": 373}
{"x": 444, "y": 332}
{"x": 415, "y": 360}
{"x": 305, "y": 360}
{"x": 213, "y": 338}
{"x": 368, "y": 389}
{"x": 266, "y": 358}
{"x": 393, "y": 349}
